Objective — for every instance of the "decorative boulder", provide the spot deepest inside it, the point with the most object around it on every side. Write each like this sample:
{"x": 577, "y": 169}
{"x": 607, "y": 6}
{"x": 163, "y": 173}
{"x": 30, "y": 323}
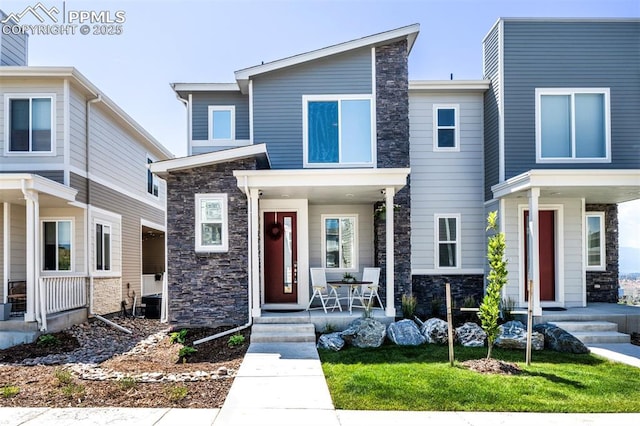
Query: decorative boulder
{"x": 365, "y": 333}
{"x": 471, "y": 335}
{"x": 513, "y": 335}
{"x": 558, "y": 339}
{"x": 405, "y": 333}
{"x": 435, "y": 330}
{"x": 331, "y": 341}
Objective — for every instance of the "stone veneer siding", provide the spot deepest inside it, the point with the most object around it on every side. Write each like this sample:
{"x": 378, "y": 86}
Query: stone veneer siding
{"x": 392, "y": 122}
{"x": 207, "y": 289}
{"x": 107, "y": 295}
{"x": 602, "y": 286}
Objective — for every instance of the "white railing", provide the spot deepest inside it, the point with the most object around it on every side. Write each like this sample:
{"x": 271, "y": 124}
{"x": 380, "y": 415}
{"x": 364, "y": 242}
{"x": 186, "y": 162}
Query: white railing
{"x": 63, "y": 293}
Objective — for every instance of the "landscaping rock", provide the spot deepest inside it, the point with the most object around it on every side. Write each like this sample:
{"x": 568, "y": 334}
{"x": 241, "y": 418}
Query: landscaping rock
{"x": 558, "y": 339}
{"x": 405, "y": 333}
{"x": 331, "y": 341}
{"x": 513, "y": 335}
{"x": 471, "y": 335}
{"x": 365, "y": 333}
{"x": 435, "y": 330}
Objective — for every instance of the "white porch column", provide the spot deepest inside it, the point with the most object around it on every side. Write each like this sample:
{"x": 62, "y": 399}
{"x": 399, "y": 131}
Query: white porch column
{"x": 254, "y": 279}
{"x": 390, "y": 258}
{"x": 32, "y": 260}
{"x": 534, "y": 248}
{"x": 6, "y": 252}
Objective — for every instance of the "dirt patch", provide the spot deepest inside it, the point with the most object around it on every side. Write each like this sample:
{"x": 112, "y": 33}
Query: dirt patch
{"x": 635, "y": 339}
{"x": 61, "y": 342}
{"x": 492, "y": 366}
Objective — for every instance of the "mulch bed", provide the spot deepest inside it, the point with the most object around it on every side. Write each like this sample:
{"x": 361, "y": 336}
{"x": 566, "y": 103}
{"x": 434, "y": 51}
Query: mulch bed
{"x": 635, "y": 339}
{"x": 492, "y": 366}
{"x": 65, "y": 343}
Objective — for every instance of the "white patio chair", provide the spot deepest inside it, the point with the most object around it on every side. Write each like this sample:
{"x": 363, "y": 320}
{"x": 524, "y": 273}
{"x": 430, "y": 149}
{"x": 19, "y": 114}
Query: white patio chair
{"x": 323, "y": 291}
{"x": 366, "y": 292}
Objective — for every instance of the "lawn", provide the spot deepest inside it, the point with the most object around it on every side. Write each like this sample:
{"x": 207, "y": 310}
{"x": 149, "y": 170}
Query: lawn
{"x": 420, "y": 378}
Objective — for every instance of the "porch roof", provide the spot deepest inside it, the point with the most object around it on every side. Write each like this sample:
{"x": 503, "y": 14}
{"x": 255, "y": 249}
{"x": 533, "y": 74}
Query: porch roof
{"x": 598, "y": 186}
{"x": 50, "y": 193}
{"x": 344, "y": 186}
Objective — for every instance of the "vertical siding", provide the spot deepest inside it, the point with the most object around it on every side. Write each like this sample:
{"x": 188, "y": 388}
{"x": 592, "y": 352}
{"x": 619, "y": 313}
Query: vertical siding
{"x": 277, "y": 100}
{"x": 446, "y": 182}
{"x": 13, "y": 48}
{"x": 78, "y": 231}
{"x": 491, "y": 71}
{"x": 17, "y": 243}
{"x": 571, "y": 55}
{"x": 78, "y": 126}
{"x": 200, "y": 112}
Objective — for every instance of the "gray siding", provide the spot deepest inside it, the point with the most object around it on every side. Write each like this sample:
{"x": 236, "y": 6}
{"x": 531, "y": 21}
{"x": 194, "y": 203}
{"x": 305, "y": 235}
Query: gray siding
{"x": 491, "y": 71}
{"x": 55, "y": 175}
{"x": 277, "y": 100}
{"x": 13, "y": 48}
{"x": 79, "y": 183}
{"x": 200, "y": 112}
{"x": 78, "y": 126}
{"x": 571, "y": 55}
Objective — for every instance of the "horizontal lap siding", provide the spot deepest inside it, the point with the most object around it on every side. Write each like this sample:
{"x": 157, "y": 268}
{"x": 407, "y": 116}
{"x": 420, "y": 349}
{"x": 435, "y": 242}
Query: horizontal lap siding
{"x": 200, "y": 112}
{"x": 78, "y": 125}
{"x": 491, "y": 52}
{"x": 571, "y": 55}
{"x": 446, "y": 182}
{"x": 13, "y": 48}
{"x": 277, "y": 100}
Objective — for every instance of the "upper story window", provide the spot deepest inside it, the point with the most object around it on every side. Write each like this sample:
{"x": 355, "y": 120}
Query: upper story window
{"x": 152, "y": 180}
{"x": 445, "y": 128}
{"x": 447, "y": 240}
{"x": 595, "y": 241}
{"x": 338, "y": 130}
{"x": 56, "y": 250}
{"x": 211, "y": 223}
{"x": 222, "y": 122}
{"x": 573, "y": 125}
{"x": 30, "y": 123}
{"x": 340, "y": 242}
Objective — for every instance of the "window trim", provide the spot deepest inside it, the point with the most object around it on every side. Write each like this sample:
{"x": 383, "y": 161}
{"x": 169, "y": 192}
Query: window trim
{"x": 104, "y": 225}
{"x": 211, "y": 109}
{"x": 605, "y": 91}
{"x": 337, "y": 98}
{"x": 7, "y": 128}
{"x": 224, "y": 247}
{"x": 456, "y": 128}
{"x": 436, "y": 240}
{"x": 603, "y": 242}
{"x": 44, "y": 220}
{"x": 155, "y": 182}
{"x": 356, "y": 244}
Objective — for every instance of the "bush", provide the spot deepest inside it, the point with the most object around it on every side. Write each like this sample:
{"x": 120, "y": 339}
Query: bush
{"x": 185, "y": 351}
{"x": 409, "y": 304}
{"x": 127, "y": 382}
{"x": 177, "y": 392}
{"x": 9, "y": 391}
{"x": 48, "y": 340}
{"x": 235, "y": 340}
{"x": 178, "y": 336}
{"x": 63, "y": 376}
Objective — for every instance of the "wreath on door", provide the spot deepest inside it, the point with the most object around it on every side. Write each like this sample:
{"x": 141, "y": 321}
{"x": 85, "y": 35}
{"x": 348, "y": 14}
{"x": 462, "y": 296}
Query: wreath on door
{"x": 274, "y": 231}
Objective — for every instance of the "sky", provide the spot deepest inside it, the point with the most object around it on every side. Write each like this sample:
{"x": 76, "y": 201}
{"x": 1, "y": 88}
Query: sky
{"x": 190, "y": 41}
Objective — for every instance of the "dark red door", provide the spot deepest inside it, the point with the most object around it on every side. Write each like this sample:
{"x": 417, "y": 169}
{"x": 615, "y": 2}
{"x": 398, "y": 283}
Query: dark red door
{"x": 547, "y": 254}
{"x": 280, "y": 257}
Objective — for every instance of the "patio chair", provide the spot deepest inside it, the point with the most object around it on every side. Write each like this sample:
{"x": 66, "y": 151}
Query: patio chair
{"x": 323, "y": 291}
{"x": 367, "y": 292}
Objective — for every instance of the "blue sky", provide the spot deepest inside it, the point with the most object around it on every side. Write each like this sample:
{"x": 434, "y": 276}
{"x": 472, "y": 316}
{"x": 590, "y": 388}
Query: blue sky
{"x": 206, "y": 41}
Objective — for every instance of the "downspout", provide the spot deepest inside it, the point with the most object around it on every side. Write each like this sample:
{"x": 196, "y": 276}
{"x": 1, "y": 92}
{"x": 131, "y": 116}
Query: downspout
{"x": 249, "y": 275}
{"x": 98, "y": 98}
{"x": 40, "y": 305}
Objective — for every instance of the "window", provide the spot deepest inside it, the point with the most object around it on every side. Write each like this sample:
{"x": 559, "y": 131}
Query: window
{"x": 103, "y": 247}
{"x": 595, "y": 241}
{"x": 447, "y": 241}
{"x": 211, "y": 223}
{"x": 222, "y": 122}
{"x": 340, "y": 242}
{"x": 57, "y": 237}
{"x": 152, "y": 180}
{"x": 30, "y": 121}
{"x": 338, "y": 130}
{"x": 572, "y": 124}
{"x": 445, "y": 128}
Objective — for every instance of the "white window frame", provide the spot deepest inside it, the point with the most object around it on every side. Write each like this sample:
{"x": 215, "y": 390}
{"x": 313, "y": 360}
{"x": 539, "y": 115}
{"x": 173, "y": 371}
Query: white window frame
{"x": 155, "y": 183}
{"x": 224, "y": 247}
{"x": 71, "y": 239}
{"x": 603, "y": 242}
{"x": 7, "y": 128}
{"x": 539, "y": 92}
{"x": 436, "y": 240}
{"x": 456, "y": 128}
{"x": 213, "y": 108}
{"x": 104, "y": 225}
{"x": 336, "y": 98}
{"x": 356, "y": 242}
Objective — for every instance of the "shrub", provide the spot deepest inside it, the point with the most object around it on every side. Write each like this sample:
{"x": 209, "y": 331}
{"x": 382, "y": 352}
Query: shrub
{"x": 73, "y": 390}
{"x": 9, "y": 391}
{"x": 178, "y": 336}
{"x": 185, "y": 351}
{"x": 177, "y": 392}
{"x": 127, "y": 382}
{"x": 409, "y": 304}
{"x": 235, "y": 340}
{"x": 48, "y": 340}
{"x": 63, "y": 376}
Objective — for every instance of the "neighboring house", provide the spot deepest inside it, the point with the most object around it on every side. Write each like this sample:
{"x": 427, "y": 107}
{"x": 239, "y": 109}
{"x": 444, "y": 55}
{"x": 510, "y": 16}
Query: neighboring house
{"x": 83, "y": 220}
{"x": 13, "y": 47}
{"x": 561, "y": 140}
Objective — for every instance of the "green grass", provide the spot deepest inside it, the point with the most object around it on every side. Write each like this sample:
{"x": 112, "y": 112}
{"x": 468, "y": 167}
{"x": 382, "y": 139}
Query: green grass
{"x": 420, "y": 378}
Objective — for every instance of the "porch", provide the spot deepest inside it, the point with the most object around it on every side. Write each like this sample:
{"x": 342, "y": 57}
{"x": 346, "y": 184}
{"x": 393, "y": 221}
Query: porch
{"x": 626, "y": 316}
{"x": 335, "y": 321}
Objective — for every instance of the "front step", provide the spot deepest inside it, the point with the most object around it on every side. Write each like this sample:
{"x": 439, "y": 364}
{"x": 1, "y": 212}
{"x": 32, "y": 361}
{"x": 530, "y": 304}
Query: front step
{"x": 279, "y": 333}
{"x": 593, "y": 331}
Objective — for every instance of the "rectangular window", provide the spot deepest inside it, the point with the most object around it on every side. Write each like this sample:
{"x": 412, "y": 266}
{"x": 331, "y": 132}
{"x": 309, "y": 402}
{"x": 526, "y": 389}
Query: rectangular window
{"x": 338, "y": 130}
{"x": 211, "y": 223}
{"x": 340, "y": 242}
{"x": 447, "y": 241}
{"x": 445, "y": 128}
{"x": 56, "y": 252}
{"x": 222, "y": 122}
{"x": 572, "y": 124}
{"x": 103, "y": 247}
{"x": 595, "y": 240}
{"x": 30, "y": 124}
{"x": 152, "y": 180}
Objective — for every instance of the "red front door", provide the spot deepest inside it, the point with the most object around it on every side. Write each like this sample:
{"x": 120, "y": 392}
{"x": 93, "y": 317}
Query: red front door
{"x": 547, "y": 254}
{"x": 280, "y": 257}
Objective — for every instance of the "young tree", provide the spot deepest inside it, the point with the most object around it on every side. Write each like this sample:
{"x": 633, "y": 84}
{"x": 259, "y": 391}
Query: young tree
{"x": 490, "y": 307}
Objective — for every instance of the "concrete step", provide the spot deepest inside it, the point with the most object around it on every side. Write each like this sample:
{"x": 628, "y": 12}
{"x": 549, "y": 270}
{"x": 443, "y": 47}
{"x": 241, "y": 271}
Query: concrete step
{"x": 282, "y": 319}
{"x": 282, "y": 337}
{"x": 288, "y": 332}
{"x": 585, "y": 326}
{"x": 587, "y": 337}
{"x": 283, "y": 328}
